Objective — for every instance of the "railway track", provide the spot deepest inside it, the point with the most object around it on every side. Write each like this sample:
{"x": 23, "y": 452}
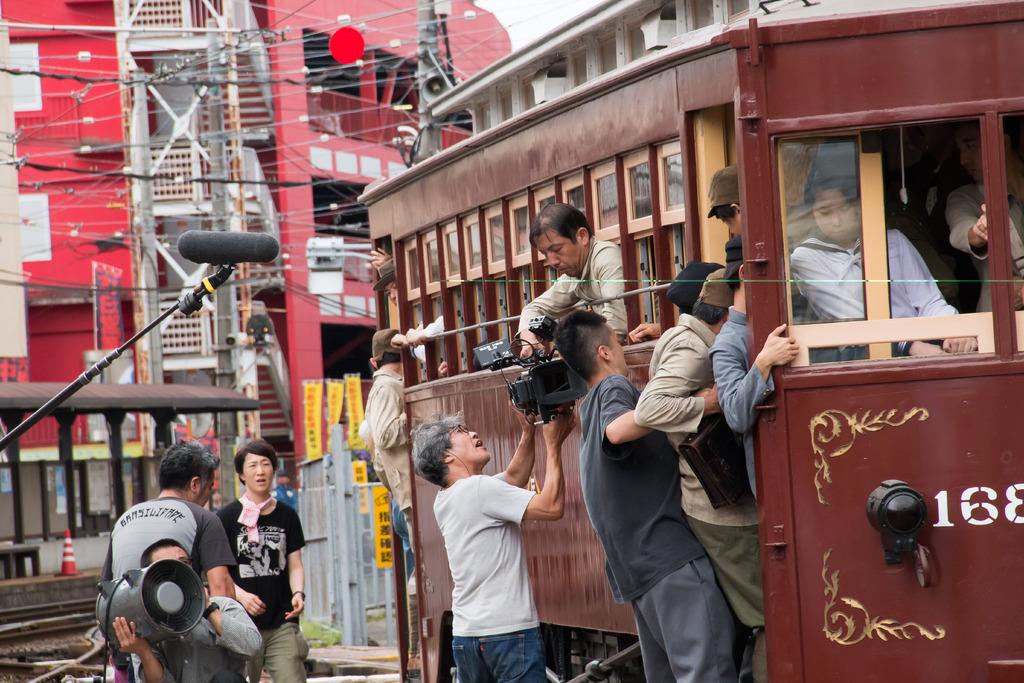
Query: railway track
{"x": 14, "y": 615}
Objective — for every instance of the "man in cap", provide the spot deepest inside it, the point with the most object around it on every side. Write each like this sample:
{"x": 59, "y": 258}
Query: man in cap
{"x": 386, "y": 280}
{"x": 724, "y": 198}
{"x": 414, "y": 338}
{"x": 389, "y": 442}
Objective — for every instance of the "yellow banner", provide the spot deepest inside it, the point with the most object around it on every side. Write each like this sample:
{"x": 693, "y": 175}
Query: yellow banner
{"x": 359, "y": 475}
{"x": 313, "y": 401}
{"x": 354, "y": 404}
{"x": 335, "y": 400}
{"x": 382, "y": 522}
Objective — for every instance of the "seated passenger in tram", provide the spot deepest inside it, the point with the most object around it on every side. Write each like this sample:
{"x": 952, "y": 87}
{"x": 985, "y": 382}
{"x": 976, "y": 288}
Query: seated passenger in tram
{"x": 588, "y": 269}
{"x": 965, "y": 210}
{"x": 828, "y": 266}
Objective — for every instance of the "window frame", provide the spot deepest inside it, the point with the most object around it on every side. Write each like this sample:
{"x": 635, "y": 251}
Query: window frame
{"x": 469, "y": 224}
{"x": 409, "y": 246}
{"x": 599, "y": 172}
{"x": 430, "y": 239}
{"x": 494, "y": 267}
{"x": 670, "y": 213}
{"x": 629, "y": 162}
{"x": 452, "y": 266}
{"x": 571, "y": 182}
{"x": 521, "y": 255}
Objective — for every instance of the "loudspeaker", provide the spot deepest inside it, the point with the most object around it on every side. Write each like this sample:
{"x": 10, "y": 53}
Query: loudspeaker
{"x": 165, "y": 600}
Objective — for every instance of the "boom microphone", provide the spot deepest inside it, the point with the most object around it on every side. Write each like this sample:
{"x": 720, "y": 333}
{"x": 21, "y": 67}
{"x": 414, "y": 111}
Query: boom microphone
{"x": 222, "y": 248}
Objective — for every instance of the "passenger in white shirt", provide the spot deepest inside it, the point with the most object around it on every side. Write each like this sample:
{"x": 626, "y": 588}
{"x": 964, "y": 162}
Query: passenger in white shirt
{"x": 495, "y": 620}
{"x": 829, "y": 268}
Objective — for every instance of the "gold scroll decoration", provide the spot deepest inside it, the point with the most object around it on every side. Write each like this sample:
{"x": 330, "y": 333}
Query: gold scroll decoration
{"x": 850, "y": 622}
{"x": 834, "y": 431}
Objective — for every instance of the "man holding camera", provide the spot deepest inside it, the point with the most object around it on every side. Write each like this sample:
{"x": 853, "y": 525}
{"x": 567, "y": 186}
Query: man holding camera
{"x": 496, "y": 630}
{"x": 215, "y": 651}
{"x": 589, "y": 270}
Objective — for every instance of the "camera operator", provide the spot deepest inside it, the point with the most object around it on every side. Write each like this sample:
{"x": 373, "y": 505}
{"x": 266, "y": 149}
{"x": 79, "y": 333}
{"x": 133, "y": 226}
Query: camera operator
{"x": 496, "y": 629}
{"x": 215, "y": 651}
{"x": 588, "y": 270}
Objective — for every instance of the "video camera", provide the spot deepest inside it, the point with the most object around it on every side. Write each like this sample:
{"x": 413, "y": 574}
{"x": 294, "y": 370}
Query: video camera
{"x": 547, "y": 382}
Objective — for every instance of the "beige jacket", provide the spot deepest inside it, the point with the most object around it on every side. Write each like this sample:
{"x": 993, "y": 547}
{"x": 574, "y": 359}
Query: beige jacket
{"x": 680, "y": 367}
{"x": 385, "y": 415}
{"x": 601, "y": 278}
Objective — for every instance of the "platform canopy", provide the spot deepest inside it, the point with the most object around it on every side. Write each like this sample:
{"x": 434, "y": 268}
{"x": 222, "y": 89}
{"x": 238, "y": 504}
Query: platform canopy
{"x": 99, "y": 398}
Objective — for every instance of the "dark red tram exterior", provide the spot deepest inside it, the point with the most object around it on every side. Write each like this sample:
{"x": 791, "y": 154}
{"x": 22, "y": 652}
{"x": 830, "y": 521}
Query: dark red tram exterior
{"x": 951, "y": 428}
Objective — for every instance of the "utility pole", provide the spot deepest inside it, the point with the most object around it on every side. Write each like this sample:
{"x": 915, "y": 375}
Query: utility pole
{"x": 427, "y": 69}
{"x": 227, "y": 422}
{"x": 145, "y": 229}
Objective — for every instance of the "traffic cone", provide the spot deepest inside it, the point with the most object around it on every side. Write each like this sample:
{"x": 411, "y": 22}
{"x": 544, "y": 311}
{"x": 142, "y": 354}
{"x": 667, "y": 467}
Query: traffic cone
{"x": 68, "y": 566}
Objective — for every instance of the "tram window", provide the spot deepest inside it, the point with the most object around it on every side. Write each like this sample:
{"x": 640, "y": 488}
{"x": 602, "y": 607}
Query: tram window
{"x": 525, "y": 277}
{"x": 481, "y": 308}
{"x": 703, "y": 13}
{"x": 737, "y": 7}
{"x": 606, "y": 50}
{"x": 645, "y": 269}
{"x": 505, "y": 102}
{"x": 544, "y": 202}
{"x": 606, "y": 200}
{"x": 640, "y": 190}
{"x": 496, "y": 238}
{"x": 520, "y": 212}
{"x": 501, "y": 292}
{"x": 412, "y": 266}
{"x": 575, "y": 197}
{"x": 672, "y": 167}
{"x": 433, "y": 264}
{"x": 471, "y": 238}
{"x": 460, "y": 321}
{"x": 579, "y": 68}
{"x": 452, "y": 265}
{"x": 542, "y": 196}
{"x": 862, "y": 259}
{"x": 637, "y": 49}
{"x": 1013, "y": 150}
{"x": 678, "y": 256}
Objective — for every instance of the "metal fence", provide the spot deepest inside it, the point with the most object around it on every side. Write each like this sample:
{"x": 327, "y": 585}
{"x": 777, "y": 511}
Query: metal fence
{"x": 343, "y": 581}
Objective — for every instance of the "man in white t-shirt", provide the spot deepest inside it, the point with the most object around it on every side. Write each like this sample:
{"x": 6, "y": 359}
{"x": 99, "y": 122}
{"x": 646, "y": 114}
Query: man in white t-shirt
{"x": 496, "y": 631}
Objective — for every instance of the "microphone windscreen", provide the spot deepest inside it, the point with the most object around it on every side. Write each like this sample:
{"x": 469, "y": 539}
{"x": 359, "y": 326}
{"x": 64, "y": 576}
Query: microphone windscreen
{"x": 222, "y": 248}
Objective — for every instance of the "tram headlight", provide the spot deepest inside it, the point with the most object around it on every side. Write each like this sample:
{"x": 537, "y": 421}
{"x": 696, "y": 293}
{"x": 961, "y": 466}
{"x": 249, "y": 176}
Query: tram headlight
{"x": 898, "y": 512}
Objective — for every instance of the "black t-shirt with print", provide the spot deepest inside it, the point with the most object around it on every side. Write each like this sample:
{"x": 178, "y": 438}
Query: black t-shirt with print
{"x": 263, "y": 567}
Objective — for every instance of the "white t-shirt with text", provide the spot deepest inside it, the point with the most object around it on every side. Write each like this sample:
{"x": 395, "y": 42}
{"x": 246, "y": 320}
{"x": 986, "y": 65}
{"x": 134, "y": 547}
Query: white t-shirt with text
{"x": 479, "y": 518}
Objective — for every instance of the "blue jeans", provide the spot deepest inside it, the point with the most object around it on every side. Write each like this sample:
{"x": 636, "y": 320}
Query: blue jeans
{"x": 516, "y": 656}
{"x": 402, "y": 529}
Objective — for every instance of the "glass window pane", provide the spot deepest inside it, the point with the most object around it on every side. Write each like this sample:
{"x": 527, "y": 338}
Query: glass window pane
{"x": 473, "y": 235}
{"x": 645, "y": 263}
{"x": 521, "y": 219}
{"x": 481, "y": 309}
{"x": 526, "y": 284}
{"x": 497, "y": 234}
{"x": 673, "y": 169}
{"x": 579, "y": 68}
{"x": 703, "y": 12}
{"x": 636, "y": 43}
{"x": 433, "y": 266}
{"x": 413, "y": 267}
{"x": 575, "y": 197}
{"x": 678, "y": 255}
{"x": 608, "y": 201}
{"x": 640, "y": 187}
{"x": 547, "y": 200}
{"x": 452, "y": 252}
{"x": 607, "y": 49}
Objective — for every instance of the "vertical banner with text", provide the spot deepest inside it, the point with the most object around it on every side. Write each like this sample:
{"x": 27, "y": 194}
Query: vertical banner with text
{"x": 354, "y": 403}
{"x": 359, "y": 476}
{"x": 335, "y": 400}
{"x": 108, "y": 324}
{"x": 382, "y": 523}
{"x": 313, "y": 416}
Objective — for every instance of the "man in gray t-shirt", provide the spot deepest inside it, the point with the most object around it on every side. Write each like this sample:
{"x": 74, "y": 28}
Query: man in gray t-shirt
{"x": 186, "y": 482}
{"x": 631, "y": 487}
{"x": 495, "y": 627}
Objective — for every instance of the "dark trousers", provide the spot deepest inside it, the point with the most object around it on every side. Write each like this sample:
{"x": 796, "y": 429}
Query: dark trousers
{"x": 686, "y": 629}
{"x": 503, "y": 658}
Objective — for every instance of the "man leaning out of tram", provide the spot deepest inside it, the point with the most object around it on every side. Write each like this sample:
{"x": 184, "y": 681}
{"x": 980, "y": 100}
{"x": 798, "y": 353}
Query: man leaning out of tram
{"x": 680, "y": 393}
{"x": 588, "y": 269}
{"x": 496, "y": 630}
{"x": 631, "y": 487}
{"x": 828, "y": 266}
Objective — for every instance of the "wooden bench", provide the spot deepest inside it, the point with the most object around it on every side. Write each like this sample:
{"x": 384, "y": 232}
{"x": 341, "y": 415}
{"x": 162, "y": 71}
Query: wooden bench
{"x": 15, "y": 560}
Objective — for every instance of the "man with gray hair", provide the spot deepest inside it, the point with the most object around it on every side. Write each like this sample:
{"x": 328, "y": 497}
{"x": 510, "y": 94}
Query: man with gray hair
{"x": 496, "y": 629}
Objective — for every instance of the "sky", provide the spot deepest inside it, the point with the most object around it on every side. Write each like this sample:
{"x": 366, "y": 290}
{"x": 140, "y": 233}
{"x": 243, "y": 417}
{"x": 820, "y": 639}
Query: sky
{"x": 527, "y": 20}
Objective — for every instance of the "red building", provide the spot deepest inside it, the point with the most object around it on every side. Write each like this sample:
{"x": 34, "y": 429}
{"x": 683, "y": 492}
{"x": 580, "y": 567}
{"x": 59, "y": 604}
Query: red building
{"x": 311, "y": 134}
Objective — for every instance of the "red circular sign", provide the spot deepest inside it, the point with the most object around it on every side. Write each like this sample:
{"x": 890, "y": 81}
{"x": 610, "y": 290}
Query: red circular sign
{"x": 347, "y": 45}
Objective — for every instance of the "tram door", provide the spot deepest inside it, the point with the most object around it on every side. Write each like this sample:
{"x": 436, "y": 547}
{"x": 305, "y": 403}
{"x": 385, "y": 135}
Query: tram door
{"x": 898, "y": 440}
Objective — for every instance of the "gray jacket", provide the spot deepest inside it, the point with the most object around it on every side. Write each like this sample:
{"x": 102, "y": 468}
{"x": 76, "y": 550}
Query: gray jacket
{"x": 740, "y": 386}
{"x": 201, "y": 653}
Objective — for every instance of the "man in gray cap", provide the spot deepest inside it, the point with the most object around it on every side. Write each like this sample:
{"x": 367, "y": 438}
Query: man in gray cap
{"x": 724, "y": 198}
{"x": 680, "y": 393}
{"x": 389, "y": 443}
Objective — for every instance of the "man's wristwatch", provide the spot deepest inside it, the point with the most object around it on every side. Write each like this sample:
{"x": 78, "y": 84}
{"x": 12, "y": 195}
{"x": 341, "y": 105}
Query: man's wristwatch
{"x": 211, "y": 608}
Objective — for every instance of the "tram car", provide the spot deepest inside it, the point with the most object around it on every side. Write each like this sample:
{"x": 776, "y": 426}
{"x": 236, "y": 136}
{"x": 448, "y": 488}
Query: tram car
{"x": 627, "y": 114}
